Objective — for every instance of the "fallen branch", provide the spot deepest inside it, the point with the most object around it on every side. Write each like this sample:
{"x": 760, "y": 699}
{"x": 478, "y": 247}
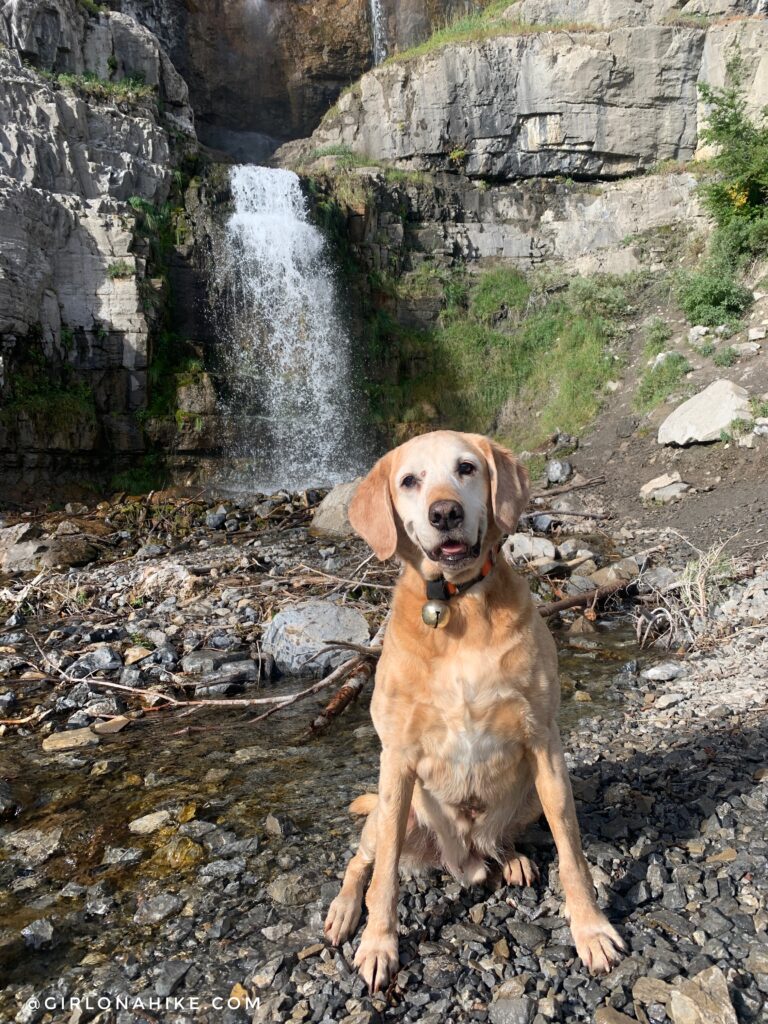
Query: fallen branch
{"x": 352, "y": 688}
{"x": 563, "y": 515}
{"x": 589, "y": 598}
{"x": 564, "y": 488}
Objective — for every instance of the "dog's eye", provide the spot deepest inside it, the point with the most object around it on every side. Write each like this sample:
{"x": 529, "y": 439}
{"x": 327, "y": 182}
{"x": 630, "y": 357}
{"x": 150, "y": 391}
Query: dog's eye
{"x": 466, "y": 469}
{"x": 408, "y": 481}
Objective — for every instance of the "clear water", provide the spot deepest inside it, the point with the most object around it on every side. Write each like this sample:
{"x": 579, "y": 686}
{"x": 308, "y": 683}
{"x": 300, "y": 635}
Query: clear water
{"x": 290, "y": 401}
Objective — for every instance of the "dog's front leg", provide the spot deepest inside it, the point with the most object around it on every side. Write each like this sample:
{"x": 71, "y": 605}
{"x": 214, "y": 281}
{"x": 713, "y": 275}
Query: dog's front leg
{"x": 377, "y": 957}
{"x": 597, "y": 942}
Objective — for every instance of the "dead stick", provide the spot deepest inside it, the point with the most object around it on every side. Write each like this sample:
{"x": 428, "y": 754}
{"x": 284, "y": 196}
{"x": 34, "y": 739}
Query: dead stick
{"x": 582, "y": 600}
{"x": 340, "y": 672}
{"x": 351, "y": 689}
{"x": 569, "y": 487}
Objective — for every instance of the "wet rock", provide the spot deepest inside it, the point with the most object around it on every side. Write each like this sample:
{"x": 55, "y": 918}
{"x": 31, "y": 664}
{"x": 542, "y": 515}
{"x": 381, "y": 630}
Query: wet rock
{"x": 705, "y": 416}
{"x": 664, "y": 672}
{"x": 622, "y": 571}
{"x": 122, "y": 855}
{"x": 158, "y": 908}
{"x": 331, "y": 517}
{"x": 231, "y": 676}
{"x": 8, "y": 803}
{"x": 33, "y": 845}
{"x": 149, "y": 823}
{"x": 297, "y": 635}
{"x": 103, "y": 659}
{"x": 38, "y": 934}
{"x": 168, "y": 976}
{"x": 71, "y": 739}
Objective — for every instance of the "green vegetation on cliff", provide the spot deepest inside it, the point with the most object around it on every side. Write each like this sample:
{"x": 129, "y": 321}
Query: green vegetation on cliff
{"x": 488, "y": 21}
{"x": 509, "y": 356}
{"x": 736, "y": 197}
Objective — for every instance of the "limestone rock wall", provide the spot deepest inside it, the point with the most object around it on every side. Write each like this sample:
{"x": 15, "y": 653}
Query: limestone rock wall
{"x": 264, "y": 71}
{"x": 77, "y": 305}
{"x": 580, "y": 103}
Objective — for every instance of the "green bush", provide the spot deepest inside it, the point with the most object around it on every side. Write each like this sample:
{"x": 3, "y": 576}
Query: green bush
{"x": 740, "y": 190}
{"x": 656, "y": 338}
{"x": 725, "y": 356}
{"x": 712, "y": 295}
{"x": 121, "y": 268}
{"x": 660, "y": 381}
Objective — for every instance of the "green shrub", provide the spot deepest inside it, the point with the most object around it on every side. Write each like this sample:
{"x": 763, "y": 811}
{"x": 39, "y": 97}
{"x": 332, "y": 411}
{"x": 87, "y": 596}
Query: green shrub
{"x": 656, "y": 338}
{"x": 126, "y": 90}
{"x": 658, "y": 382}
{"x": 712, "y": 295}
{"x": 725, "y": 356}
{"x": 740, "y": 190}
{"x": 121, "y": 268}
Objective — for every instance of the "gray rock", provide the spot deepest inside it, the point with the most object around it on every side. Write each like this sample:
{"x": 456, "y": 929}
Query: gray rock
{"x": 299, "y": 633}
{"x": 559, "y": 471}
{"x": 705, "y": 416}
{"x": 71, "y": 739}
{"x": 520, "y": 1010}
{"x": 169, "y": 975}
{"x": 103, "y": 659}
{"x": 525, "y": 547}
{"x": 33, "y": 845}
{"x": 331, "y": 517}
{"x": 158, "y": 908}
{"x": 122, "y": 855}
{"x": 289, "y": 890}
{"x": 663, "y": 672}
{"x": 668, "y": 700}
{"x": 38, "y": 934}
{"x": 215, "y": 520}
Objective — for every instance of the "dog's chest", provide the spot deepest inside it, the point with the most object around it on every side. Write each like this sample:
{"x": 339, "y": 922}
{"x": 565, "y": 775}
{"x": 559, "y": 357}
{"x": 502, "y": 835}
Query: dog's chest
{"x": 473, "y": 731}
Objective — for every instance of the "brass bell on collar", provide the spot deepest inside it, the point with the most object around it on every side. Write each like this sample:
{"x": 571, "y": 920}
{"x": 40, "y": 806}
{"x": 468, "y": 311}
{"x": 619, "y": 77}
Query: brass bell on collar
{"x": 436, "y": 614}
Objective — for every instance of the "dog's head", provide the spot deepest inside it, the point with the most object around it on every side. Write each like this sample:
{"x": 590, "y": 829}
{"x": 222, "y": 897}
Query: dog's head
{"x": 440, "y": 501}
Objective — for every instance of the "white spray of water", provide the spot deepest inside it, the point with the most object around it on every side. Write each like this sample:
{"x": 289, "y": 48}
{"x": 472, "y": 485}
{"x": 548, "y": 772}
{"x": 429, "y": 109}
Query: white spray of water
{"x": 290, "y": 401}
{"x": 379, "y": 28}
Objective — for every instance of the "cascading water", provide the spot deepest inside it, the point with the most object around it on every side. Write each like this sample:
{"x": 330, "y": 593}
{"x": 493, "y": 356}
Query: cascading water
{"x": 290, "y": 401}
{"x": 379, "y": 29}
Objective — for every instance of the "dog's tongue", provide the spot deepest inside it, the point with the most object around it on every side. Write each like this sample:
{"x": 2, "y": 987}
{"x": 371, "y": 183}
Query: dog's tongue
{"x": 453, "y": 547}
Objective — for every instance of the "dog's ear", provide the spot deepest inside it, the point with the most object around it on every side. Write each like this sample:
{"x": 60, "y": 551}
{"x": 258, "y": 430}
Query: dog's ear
{"x": 510, "y": 485}
{"x": 371, "y": 513}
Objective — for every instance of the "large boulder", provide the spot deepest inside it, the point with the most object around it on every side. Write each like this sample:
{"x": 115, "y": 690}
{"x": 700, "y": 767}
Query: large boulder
{"x": 704, "y": 417}
{"x": 331, "y": 519}
{"x": 24, "y": 548}
{"x": 299, "y": 633}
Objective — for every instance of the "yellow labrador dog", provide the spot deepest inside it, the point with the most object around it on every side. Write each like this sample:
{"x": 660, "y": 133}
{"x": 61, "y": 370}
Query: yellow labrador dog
{"x": 465, "y": 699}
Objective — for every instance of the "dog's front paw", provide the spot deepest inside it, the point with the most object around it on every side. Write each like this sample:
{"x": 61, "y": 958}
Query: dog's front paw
{"x": 597, "y": 942}
{"x": 341, "y": 922}
{"x": 377, "y": 959}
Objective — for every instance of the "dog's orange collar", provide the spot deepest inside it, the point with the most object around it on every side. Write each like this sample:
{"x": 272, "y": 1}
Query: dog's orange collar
{"x": 442, "y": 589}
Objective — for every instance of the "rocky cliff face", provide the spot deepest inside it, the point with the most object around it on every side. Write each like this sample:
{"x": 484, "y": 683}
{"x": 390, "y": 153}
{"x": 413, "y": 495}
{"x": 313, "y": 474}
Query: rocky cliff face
{"x": 263, "y": 71}
{"x": 77, "y": 304}
{"x": 527, "y": 102}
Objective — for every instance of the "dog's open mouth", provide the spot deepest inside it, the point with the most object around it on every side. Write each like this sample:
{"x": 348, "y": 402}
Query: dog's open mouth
{"x": 454, "y": 552}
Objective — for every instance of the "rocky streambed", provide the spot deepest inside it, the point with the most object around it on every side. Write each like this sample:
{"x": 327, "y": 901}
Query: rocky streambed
{"x": 174, "y": 863}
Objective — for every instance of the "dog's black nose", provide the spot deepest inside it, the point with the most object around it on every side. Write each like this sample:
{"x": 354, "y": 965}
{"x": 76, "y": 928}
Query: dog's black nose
{"x": 446, "y": 515}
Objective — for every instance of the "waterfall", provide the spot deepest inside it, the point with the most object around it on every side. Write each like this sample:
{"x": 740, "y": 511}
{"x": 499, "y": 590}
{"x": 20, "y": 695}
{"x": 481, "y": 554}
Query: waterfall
{"x": 379, "y": 28}
{"x": 289, "y": 402}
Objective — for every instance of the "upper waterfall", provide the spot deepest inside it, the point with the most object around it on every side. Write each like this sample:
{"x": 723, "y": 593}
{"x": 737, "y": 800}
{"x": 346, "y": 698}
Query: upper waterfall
{"x": 289, "y": 393}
